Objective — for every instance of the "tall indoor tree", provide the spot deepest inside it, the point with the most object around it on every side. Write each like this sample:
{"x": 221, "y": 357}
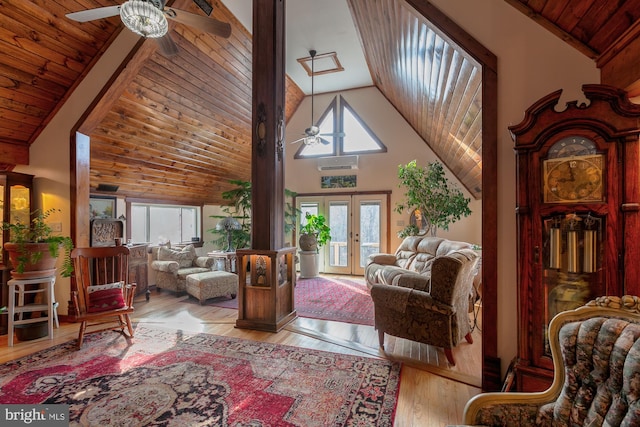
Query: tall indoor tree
{"x": 428, "y": 191}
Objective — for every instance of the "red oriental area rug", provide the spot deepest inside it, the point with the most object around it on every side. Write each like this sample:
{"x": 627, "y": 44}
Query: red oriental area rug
{"x": 325, "y": 298}
{"x": 174, "y": 378}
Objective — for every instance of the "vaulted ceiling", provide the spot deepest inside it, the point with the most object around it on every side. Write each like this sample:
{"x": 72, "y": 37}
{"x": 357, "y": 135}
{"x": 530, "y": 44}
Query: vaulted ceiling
{"x": 170, "y": 124}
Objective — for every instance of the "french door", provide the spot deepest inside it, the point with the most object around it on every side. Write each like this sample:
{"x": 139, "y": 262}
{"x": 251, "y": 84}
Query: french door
{"x": 358, "y": 228}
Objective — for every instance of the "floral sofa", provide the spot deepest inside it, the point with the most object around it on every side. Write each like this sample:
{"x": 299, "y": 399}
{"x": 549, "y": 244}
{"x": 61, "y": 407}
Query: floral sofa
{"x": 596, "y": 359}
{"x": 422, "y": 292}
{"x": 172, "y": 266}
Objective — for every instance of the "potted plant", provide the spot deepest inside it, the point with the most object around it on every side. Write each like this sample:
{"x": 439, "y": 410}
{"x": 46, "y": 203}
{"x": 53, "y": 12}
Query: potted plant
{"x": 34, "y": 247}
{"x": 439, "y": 202}
{"x": 314, "y": 234}
{"x": 240, "y": 210}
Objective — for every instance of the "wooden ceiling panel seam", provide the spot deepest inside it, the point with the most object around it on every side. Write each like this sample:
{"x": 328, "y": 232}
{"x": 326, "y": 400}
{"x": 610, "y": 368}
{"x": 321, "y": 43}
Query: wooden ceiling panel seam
{"x": 17, "y": 116}
{"x": 195, "y": 103}
{"x": 584, "y": 29}
{"x": 219, "y": 51}
{"x": 554, "y": 28}
{"x": 212, "y": 174}
{"x": 36, "y": 107}
{"x": 146, "y": 153}
{"x": 46, "y": 51}
{"x": 193, "y": 155}
{"x": 166, "y": 143}
{"x": 192, "y": 74}
{"x": 167, "y": 182}
{"x": 554, "y": 9}
{"x": 174, "y": 153}
{"x": 200, "y": 137}
{"x": 187, "y": 127}
{"x": 208, "y": 72}
{"x": 615, "y": 26}
{"x": 49, "y": 77}
{"x": 202, "y": 183}
{"x": 60, "y": 31}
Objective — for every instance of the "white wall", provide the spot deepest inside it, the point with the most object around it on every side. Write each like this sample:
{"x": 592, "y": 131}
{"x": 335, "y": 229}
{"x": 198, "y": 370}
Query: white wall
{"x": 375, "y": 171}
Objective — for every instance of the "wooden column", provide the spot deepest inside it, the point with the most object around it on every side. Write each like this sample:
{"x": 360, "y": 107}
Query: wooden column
{"x": 267, "y": 158}
{"x": 266, "y": 272}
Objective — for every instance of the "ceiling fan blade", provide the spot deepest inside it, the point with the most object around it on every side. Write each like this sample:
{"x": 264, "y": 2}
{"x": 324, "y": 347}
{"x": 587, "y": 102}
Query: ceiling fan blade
{"x": 203, "y": 23}
{"x": 168, "y": 47}
{"x": 324, "y": 141}
{"x": 296, "y": 141}
{"x": 91, "y": 14}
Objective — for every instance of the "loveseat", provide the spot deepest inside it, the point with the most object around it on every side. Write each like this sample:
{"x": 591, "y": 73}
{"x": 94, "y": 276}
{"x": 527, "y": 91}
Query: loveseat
{"x": 596, "y": 358}
{"x": 422, "y": 292}
{"x": 172, "y": 266}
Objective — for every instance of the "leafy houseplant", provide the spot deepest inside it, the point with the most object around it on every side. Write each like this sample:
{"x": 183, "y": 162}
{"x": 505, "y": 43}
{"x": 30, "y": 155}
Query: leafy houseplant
{"x": 440, "y": 202}
{"x": 24, "y": 237}
{"x": 315, "y": 233}
{"x": 240, "y": 198}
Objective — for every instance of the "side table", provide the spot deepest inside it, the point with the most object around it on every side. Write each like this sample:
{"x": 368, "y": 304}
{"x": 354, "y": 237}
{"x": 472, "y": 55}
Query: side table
{"x": 229, "y": 259}
{"x": 17, "y": 287}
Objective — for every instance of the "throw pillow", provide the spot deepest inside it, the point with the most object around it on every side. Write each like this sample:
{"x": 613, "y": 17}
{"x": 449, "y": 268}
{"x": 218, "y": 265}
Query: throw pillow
{"x": 183, "y": 257}
{"x": 105, "y": 297}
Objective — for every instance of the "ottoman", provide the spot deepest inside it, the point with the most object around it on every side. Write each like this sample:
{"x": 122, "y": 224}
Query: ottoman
{"x": 212, "y": 284}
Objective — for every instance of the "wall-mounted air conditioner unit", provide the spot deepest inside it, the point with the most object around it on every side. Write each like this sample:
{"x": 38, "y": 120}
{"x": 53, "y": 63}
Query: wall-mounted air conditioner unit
{"x": 337, "y": 163}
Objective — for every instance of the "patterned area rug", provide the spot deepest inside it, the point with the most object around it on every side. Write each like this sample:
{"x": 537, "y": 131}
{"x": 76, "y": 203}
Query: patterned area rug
{"x": 325, "y": 298}
{"x": 175, "y": 378}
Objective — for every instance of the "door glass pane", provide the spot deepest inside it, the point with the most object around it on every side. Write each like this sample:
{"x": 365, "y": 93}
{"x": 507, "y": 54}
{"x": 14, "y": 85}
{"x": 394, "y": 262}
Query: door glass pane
{"x": 369, "y": 230}
{"x": 310, "y": 208}
{"x": 339, "y": 224}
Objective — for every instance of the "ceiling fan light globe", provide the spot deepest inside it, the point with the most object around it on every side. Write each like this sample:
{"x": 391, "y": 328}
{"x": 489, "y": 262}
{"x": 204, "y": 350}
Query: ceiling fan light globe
{"x": 311, "y": 140}
{"x": 144, "y": 19}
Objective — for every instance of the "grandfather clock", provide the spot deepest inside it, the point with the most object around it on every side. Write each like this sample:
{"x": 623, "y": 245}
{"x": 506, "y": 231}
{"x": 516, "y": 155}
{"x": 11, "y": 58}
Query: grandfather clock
{"x": 578, "y": 196}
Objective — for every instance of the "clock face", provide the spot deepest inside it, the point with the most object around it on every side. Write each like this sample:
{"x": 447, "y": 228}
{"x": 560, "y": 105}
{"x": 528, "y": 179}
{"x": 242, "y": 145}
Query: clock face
{"x": 576, "y": 179}
{"x": 572, "y": 146}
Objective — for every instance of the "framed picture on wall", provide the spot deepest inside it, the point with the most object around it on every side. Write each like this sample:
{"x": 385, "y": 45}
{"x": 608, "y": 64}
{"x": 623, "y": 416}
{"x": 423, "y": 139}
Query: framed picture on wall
{"x": 102, "y": 207}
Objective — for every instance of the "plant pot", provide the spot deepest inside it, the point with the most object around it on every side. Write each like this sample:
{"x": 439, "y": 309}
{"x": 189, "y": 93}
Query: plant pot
{"x": 309, "y": 264}
{"x": 45, "y": 266}
{"x": 308, "y": 242}
{"x": 31, "y": 331}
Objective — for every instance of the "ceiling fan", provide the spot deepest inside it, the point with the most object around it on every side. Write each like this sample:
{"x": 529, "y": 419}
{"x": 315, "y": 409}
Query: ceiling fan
{"x": 312, "y": 133}
{"x": 148, "y": 18}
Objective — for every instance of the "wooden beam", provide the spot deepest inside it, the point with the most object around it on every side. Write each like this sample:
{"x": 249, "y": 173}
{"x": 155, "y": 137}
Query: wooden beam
{"x": 620, "y": 64}
{"x": 566, "y": 37}
{"x": 267, "y": 157}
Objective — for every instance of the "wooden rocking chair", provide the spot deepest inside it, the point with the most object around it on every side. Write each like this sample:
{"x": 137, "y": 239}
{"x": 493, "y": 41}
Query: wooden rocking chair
{"x": 102, "y": 298}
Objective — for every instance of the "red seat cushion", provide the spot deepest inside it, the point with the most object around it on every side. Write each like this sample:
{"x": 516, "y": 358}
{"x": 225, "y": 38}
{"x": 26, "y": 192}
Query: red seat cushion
{"x": 105, "y": 297}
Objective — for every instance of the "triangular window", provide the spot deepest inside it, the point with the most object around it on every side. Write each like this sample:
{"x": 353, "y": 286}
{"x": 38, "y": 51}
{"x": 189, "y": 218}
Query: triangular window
{"x": 342, "y": 131}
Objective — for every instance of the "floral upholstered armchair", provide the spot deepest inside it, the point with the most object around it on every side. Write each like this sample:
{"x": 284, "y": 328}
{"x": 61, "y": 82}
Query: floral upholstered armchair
{"x": 596, "y": 358}
{"x": 172, "y": 266}
{"x": 422, "y": 292}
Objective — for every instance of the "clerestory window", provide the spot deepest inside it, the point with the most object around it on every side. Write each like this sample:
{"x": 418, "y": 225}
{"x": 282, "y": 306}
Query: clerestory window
{"x": 342, "y": 132}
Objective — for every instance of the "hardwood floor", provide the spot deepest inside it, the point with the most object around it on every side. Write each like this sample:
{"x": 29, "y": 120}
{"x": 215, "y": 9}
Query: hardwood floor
{"x": 426, "y": 397}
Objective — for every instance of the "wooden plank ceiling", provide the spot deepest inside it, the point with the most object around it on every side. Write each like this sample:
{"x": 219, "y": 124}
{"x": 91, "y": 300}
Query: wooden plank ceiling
{"x": 429, "y": 79}
{"x": 180, "y": 127}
